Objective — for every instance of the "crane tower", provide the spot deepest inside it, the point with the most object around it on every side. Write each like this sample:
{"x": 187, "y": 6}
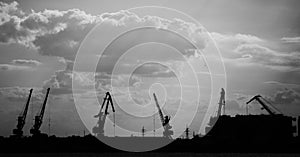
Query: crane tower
{"x": 38, "y": 120}
{"x": 98, "y": 130}
{"x": 164, "y": 120}
{"x": 22, "y": 118}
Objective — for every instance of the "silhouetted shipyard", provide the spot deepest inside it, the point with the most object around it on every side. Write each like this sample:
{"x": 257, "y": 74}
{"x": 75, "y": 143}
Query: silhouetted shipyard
{"x": 241, "y": 133}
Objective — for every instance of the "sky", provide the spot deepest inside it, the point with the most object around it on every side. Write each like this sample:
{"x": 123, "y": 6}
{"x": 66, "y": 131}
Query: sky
{"x": 259, "y": 41}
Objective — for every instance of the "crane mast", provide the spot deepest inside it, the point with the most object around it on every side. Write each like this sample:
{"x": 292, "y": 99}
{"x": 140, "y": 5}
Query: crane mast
{"x": 98, "y": 130}
{"x": 221, "y": 102}
{"x": 164, "y": 120}
{"x": 22, "y": 118}
{"x": 38, "y": 120}
{"x": 257, "y": 98}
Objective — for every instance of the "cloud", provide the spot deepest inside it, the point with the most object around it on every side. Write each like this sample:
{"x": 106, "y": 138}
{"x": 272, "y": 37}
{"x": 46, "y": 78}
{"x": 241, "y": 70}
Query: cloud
{"x": 10, "y": 67}
{"x": 234, "y": 107}
{"x": 236, "y": 38}
{"x": 20, "y": 64}
{"x": 282, "y": 100}
{"x": 290, "y": 39}
{"x": 51, "y": 32}
{"x": 282, "y": 84}
{"x": 241, "y": 98}
{"x": 153, "y": 70}
{"x": 59, "y": 33}
{"x": 260, "y": 55}
{"x": 26, "y": 62}
{"x": 61, "y": 81}
{"x": 249, "y": 50}
{"x": 20, "y": 94}
{"x": 285, "y": 97}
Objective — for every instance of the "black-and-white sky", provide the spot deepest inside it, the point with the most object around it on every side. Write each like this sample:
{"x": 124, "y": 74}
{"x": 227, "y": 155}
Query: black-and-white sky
{"x": 258, "y": 39}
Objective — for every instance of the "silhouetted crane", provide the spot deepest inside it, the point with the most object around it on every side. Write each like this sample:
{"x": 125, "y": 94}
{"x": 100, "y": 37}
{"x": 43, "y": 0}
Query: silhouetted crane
{"x": 213, "y": 119}
{"x": 187, "y": 132}
{"x": 99, "y": 128}
{"x": 164, "y": 120}
{"x": 38, "y": 120}
{"x": 143, "y": 131}
{"x": 221, "y": 103}
{"x": 22, "y": 118}
{"x": 264, "y": 106}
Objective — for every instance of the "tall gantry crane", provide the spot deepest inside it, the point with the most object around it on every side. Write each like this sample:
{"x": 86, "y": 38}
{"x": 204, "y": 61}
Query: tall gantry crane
{"x": 259, "y": 99}
{"x": 216, "y": 114}
{"x": 164, "y": 120}
{"x": 22, "y": 118}
{"x": 221, "y": 103}
{"x": 38, "y": 120}
{"x": 98, "y": 130}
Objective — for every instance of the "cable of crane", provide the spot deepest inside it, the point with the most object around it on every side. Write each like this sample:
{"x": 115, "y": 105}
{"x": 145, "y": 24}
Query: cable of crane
{"x": 164, "y": 111}
{"x": 114, "y": 116}
{"x": 272, "y": 105}
{"x": 154, "y": 120}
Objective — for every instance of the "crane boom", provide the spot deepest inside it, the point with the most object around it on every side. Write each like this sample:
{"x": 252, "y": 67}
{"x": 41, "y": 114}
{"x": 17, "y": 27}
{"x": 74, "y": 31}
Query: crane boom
{"x": 221, "y": 102}
{"x": 159, "y": 109}
{"x": 27, "y": 105}
{"x": 164, "y": 120}
{"x": 22, "y": 117}
{"x": 44, "y": 104}
{"x": 257, "y": 98}
{"x": 38, "y": 120}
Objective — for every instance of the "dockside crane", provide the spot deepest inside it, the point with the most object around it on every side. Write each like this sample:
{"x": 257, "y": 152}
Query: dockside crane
{"x": 259, "y": 99}
{"x": 221, "y": 103}
{"x": 38, "y": 120}
{"x": 216, "y": 114}
{"x": 22, "y": 118}
{"x": 164, "y": 120}
{"x": 98, "y": 130}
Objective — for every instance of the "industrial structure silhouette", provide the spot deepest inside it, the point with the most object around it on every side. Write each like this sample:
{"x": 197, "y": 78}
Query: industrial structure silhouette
{"x": 241, "y": 133}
